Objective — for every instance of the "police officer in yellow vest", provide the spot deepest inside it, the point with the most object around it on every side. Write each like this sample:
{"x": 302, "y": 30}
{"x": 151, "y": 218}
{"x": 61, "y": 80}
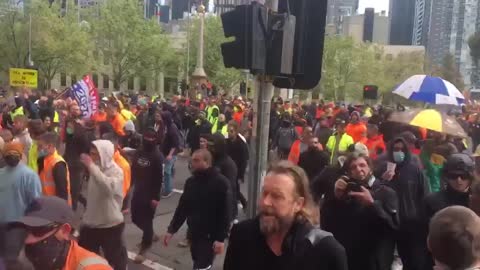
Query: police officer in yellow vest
{"x": 338, "y": 143}
{"x": 212, "y": 114}
{"x": 52, "y": 168}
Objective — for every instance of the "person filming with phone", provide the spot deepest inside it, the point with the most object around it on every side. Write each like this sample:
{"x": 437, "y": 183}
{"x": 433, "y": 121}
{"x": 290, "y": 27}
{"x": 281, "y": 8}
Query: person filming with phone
{"x": 363, "y": 216}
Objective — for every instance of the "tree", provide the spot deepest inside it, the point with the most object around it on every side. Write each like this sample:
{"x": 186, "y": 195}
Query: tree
{"x": 225, "y": 78}
{"x": 59, "y": 43}
{"x": 340, "y": 61}
{"x": 130, "y": 45}
{"x": 474, "y": 45}
{"x": 14, "y": 38}
{"x": 348, "y": 66}
{"x": 449, "y": 71}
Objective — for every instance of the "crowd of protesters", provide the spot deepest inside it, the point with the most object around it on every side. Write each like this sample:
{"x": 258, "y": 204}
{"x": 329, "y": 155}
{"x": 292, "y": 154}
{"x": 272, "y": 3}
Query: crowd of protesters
{"x": 347, "y": 188}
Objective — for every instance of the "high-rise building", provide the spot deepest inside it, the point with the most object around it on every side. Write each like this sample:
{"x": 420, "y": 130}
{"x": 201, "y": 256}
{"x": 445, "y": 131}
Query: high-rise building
{"x": 439, "y": 30}
{"x": 421, "y": 22}
{"x": 337, "y": 10}
{"x": 369, "y": 27}
{"x": 402, "y": 15}
{"x": 464, "y": 25}
{"x": 451, "y": 24}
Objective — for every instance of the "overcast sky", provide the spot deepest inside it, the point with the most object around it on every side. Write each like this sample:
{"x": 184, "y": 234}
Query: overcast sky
{"x": 379, "y": 5}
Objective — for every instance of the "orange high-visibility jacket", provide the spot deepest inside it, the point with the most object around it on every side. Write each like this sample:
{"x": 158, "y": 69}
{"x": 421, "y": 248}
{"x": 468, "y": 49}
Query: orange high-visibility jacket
{"x": 79, "y": 258}
{"x": 127, "y": 173}
{"x": 294, "y": 155}
{"x": 46, "y": 176}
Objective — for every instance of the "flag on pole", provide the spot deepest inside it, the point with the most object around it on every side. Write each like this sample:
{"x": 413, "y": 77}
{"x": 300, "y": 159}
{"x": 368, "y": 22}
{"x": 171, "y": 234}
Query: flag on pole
{"x": 86, "y": 94}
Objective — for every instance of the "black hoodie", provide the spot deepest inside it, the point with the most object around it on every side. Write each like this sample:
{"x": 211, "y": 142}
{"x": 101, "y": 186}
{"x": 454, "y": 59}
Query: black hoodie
{"x": 147, "y": 174}
{"x": 225, "y": 164}
{"x": 205, "y": 206}
{"x": 172, "y": 135}
{"x": 409, "y": 183}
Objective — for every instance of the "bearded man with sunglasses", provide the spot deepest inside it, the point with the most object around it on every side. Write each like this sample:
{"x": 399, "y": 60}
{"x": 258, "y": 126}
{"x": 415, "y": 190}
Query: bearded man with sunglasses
{"x": 48, "y": 244}
{"x": 458, "y": 175}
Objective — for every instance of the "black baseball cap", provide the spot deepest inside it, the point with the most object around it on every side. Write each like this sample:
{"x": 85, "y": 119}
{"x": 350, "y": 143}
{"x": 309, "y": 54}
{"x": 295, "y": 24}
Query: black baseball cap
{"x": 46, "y": 210}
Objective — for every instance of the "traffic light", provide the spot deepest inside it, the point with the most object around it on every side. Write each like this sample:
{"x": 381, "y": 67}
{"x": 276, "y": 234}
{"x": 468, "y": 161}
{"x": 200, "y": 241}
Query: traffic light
{"x": 309, "y": 37}
{"x": 249, "y": 25}
{"x": 370, "y": 92}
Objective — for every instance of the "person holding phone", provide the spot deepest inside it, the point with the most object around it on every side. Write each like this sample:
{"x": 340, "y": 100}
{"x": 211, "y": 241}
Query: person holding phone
{"x": 398, "y": 169}
{"x": 363, "y": 216}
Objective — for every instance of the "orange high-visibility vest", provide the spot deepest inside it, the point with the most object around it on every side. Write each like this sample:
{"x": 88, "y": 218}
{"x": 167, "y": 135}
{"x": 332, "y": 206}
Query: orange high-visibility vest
{"x": 294, "y": 155}
{"x": 79, "y": 258}
{"x": 46, "y": 176}
{"x": 127, "y": 172}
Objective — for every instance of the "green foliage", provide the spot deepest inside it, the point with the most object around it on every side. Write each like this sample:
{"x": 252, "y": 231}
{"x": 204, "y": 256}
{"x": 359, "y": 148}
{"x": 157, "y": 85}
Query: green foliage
{"x": 449, "y": 71}
{"x": 116, "y": 31}
{"x": 225, "y": 78}
{"x": 348, "y": 66}
{"x": 474, "y": 45}
{"x": 58, "y": 43}
{"x": 14, "y": 29}
{"x": 130, "y": 45}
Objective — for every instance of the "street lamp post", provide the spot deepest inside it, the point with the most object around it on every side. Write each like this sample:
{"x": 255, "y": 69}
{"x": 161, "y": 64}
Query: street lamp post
{"x": 187, "y": 70}
{"x": 30, "y": 62}
{"x": 199, "y": 76}
{"x": 199, "y": 71}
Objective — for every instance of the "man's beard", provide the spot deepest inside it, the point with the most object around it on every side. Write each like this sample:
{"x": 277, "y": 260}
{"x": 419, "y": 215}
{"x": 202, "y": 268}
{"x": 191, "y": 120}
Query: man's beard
{"x": 270, "y": 223}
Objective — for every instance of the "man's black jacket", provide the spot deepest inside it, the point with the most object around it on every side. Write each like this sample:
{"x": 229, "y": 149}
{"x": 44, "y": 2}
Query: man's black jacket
{"x": 366, "y": 232}
{"x": 205, "y": 204}
{"x": 304, "y": 248}
{"x": 238, "y": 150}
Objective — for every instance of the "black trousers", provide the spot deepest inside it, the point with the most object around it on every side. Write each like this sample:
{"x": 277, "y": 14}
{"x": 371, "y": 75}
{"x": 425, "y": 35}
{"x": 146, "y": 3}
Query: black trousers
{"x": 77, "y": 176}
{"x": 201, "y": 249}
{"x": 11, "y": 242}
{"x": 111, "y": 242}
{"x": 240, "y": 196}
{"x": 142, "y": 216}
{"x": 411, "y": 250}
{"x": 126, "y": 200}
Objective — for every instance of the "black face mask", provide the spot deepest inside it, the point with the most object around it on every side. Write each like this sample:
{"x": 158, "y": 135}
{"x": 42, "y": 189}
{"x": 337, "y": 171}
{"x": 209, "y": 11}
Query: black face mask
{"x": 50, "y": 253}
{"x": 12, "y": 161}
{"x": 149, "y": 146}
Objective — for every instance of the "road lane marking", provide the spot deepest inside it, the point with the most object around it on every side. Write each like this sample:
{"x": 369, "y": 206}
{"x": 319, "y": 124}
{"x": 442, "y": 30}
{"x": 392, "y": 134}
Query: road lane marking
{"x": 178, "y": 191}
{"x": 149, "y": 263}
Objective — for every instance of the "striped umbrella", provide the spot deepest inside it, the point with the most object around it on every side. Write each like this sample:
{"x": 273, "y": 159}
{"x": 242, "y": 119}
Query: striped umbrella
{"x": 430, "y": 119}
{"x": 428, "y": 89}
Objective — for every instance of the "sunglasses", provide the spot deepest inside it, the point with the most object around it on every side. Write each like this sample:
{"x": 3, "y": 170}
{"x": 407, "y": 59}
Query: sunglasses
{"x": 41, "y": 231}
{"x": 454, "y": 176}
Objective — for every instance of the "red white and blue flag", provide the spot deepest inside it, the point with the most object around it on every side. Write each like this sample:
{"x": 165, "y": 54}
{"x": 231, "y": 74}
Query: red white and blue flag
{"x": 86, "y": 94}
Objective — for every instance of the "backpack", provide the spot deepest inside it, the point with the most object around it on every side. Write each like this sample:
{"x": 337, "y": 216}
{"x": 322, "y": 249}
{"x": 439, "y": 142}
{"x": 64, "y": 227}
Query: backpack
{"x": 286, "y": 137}
{"x": 181, "y": 139}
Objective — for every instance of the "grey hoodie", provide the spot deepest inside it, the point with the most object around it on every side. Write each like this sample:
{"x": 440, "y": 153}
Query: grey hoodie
{"x": 105, "y": 190}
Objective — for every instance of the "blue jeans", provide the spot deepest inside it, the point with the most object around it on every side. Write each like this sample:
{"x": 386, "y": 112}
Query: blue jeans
{"x": 168, "y": 175}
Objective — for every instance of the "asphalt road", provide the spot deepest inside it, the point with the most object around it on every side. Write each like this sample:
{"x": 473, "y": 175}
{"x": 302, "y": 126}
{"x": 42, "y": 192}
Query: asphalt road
{"x": 161, "y": 257}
